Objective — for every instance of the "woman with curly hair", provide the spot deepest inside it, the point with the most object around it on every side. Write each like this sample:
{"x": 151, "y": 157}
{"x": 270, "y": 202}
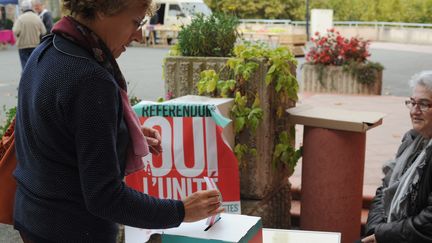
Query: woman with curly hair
{"x": 77, "y": 136}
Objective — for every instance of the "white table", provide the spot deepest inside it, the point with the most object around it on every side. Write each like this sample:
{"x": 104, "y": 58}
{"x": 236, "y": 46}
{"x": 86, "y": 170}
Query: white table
{"x": 299, "y": 236}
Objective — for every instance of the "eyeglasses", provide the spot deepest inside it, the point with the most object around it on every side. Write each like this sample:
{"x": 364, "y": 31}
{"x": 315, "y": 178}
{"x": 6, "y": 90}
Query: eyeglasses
{"x": 423, "y": 106}
{"x": 140, "y": 23}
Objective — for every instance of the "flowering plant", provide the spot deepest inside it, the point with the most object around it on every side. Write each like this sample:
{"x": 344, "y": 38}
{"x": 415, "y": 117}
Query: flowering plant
{"x": 334, "y": 49}
{"x": 352, "y": 54}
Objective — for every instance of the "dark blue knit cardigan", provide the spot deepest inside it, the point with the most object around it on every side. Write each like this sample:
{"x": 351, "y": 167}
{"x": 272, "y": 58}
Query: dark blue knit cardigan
{"x": 71, "y": 142}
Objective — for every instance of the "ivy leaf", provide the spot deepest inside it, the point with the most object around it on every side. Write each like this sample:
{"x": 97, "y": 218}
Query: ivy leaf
{"x": 278, "y": 150}
{"x": 211, "y": 86}
{"x": 239, "y": 152}
{"x": 283, "y": 137}
{"x": 256, "y": 112}
{"x": 253, "y": 123}
{"x": 278, "y": 86}
{"x": 240, "y": 100}
{"x": 257, "y": 102}
{"x": 201, "y": 87}
{"x": 268, "y": 79}
{"x": 231, "y": 84}
{"x": 285, "y": 156}
{"x": 220, "y": 84}
{"x": 239, "y": 124}
{"x": 272, "y": 69}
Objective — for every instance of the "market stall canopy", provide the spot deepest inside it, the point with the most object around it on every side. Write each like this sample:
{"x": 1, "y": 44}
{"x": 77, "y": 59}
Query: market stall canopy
{"x": 8, "y": 1}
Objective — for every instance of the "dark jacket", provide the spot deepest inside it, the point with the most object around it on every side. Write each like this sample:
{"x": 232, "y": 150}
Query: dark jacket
{"x": 417, "y": 227}
{"x": 71, "y": 142}
{"x": 47, "y": 20}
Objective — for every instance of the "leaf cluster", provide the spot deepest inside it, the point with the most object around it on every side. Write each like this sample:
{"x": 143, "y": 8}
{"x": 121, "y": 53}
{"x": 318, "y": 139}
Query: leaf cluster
{"x": 10, "y": 114}
{"x": 246, "y": 112}
{"x": 210, "y": 83}
{"x": 246, "y": 116}
{"x": 284, "y": 152}
{"x": 365, "y": 73}
{"x": 241, "y": 150}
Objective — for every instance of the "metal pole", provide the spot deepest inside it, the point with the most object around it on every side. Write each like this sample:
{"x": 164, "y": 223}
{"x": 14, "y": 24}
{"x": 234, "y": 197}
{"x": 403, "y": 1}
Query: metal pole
{"x": 307, "y": 20}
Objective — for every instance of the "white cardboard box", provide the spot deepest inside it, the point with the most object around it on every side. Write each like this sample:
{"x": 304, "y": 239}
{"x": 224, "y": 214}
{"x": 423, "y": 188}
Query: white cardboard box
{"x": 231, "y": 228}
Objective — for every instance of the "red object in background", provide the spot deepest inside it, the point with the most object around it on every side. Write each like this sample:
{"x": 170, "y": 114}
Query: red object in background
{"x": 7, "y": 37}
{"x": 332, "y": 181}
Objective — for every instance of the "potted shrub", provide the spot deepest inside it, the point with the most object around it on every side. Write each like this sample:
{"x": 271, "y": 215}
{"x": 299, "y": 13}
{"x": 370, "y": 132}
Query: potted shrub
{"x": 335, "y": 64}
{"x": 207, "y": 61}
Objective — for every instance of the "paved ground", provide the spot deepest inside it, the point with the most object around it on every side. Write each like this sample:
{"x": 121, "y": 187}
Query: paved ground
{"x": 142, "y": 67}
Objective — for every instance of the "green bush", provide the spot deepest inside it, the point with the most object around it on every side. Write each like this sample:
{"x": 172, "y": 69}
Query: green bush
{"x": 213, "y": 36}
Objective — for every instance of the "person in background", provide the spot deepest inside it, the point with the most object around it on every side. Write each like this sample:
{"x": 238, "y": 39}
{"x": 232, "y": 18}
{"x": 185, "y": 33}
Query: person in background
{"x": 77, "y": 135}
{"x": 2, "y": 21}
{"x": 44, "y": 15}
{"x": 401, "y": 210}
{"x": 154, "y": 20}
{"x": 28, "y": 29}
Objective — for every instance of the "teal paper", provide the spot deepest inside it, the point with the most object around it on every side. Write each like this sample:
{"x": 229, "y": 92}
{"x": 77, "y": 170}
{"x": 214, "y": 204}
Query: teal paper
{"x": 181, "y": 110}
{"x": 185, "y": 239}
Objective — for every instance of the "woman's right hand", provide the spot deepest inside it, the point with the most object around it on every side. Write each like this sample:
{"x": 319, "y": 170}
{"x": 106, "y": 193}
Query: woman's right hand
{"x": 202, "y": 204}
{"x": 369, "y": 239}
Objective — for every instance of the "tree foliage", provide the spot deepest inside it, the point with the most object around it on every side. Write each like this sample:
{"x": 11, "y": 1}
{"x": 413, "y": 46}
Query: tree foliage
{"x": 411, "y": 11}
{"x": 258, "y": 9}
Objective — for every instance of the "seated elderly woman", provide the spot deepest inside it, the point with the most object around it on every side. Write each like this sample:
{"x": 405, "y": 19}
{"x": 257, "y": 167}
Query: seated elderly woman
{"x": 402, "y": 208}
{"x": 77, "y": 135}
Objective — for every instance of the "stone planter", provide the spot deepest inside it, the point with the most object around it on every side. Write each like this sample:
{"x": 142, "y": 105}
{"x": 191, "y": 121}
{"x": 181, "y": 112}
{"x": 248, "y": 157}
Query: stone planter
{"x": 265, "y": 191}
{"x": 335, "y": 80}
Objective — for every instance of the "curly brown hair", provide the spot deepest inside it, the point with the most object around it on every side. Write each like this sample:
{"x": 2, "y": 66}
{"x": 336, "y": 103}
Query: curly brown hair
{"x": 88, "y": 8}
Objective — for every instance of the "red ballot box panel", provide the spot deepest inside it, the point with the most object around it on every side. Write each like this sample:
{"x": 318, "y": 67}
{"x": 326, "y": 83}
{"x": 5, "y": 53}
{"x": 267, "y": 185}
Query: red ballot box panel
{"x": 193, "y": 147}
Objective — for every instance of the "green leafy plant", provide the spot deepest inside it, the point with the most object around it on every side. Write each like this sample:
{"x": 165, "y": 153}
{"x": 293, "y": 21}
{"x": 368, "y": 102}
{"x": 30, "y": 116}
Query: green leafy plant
{"x": 245, "y": 116}
{"x": 240, "y": 150}
{"x": 284, "y": 152}
{"x": 213, "y": 36}
{"x": 9, "y": 116}
{"x": 246, "y": 112}
{"x": 365, "y": 73}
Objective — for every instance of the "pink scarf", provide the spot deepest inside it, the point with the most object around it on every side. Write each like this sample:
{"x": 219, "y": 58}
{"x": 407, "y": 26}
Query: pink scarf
{"x": 83, "y": 36}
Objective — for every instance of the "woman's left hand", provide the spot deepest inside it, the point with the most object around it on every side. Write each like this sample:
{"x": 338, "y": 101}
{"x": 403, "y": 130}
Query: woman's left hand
{"x": 153, "y": 139}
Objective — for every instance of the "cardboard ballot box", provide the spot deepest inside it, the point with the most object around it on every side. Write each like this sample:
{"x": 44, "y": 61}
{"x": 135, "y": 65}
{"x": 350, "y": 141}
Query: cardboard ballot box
{"x": 338, "y": 119}
{"x": 230, "y": 228}
{"x": 196, "y": 135}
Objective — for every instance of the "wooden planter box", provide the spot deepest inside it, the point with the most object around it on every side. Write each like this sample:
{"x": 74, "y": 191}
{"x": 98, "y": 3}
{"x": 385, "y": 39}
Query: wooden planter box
{"x": 335, "y": 80}
{"x": 265, "y": 191}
